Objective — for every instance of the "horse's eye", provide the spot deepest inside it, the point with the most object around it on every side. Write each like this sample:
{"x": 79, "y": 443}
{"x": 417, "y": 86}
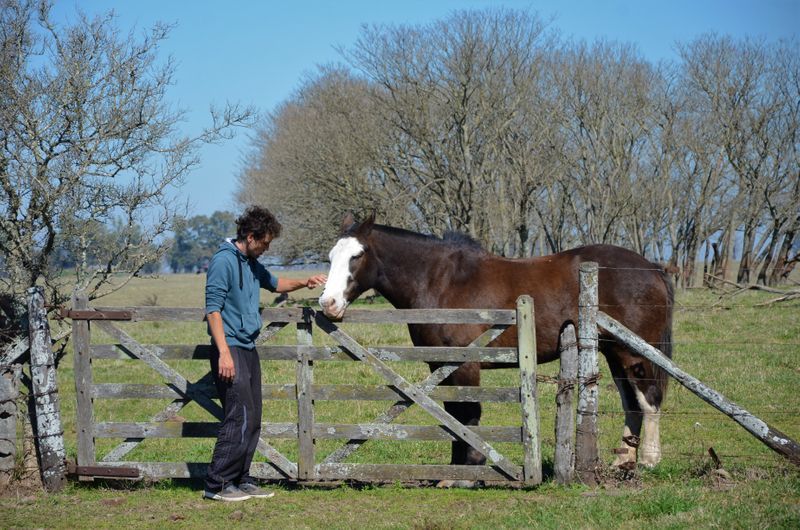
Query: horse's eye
{"x": 356, "y": 256}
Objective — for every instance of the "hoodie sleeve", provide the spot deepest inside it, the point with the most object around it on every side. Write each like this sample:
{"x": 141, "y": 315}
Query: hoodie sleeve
{"x": 266, "y": 279}
{"x": 219, "y": 279}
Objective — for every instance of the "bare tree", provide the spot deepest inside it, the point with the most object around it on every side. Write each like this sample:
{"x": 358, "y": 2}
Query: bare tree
{"x": 88, "y": 137}
{"x": 605, "y": 93}
{"x": 320, "y": 153}
{"x": 450, "y": 94}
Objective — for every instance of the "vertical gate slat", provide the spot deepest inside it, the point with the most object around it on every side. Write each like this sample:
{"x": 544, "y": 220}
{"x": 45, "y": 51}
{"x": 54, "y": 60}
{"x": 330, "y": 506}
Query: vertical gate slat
{"x": 564, "y": 460}
{"x": 586, "y": 439}
{"x": 83, "y": 383}
{"x": 305, "y": 404}
{"x": 526, "y": 336}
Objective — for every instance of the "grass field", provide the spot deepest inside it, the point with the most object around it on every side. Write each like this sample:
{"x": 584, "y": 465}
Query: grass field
{"x": 750, "y": 354}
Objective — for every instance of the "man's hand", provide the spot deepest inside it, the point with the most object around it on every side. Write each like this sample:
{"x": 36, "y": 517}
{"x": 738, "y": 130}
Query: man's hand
{"x": 227, "y": 371}
{"x": 316, "y": 281}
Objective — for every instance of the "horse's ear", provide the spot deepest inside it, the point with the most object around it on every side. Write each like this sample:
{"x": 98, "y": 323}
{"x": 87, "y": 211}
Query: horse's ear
{"x": 347, "y": 222}
{"x": 366, "y": 225}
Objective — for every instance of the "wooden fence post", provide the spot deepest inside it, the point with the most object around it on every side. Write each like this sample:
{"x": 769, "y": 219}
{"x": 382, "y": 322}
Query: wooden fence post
{"x": 83, "y": 382}
{"x": 586, "y": 439}
{"x": 564, "y": 459}
{"x": 9, "y": 394}
{"x": 526, "y": 336}
{"x": 50, "y": 435}
{"x": 305, "y": 403}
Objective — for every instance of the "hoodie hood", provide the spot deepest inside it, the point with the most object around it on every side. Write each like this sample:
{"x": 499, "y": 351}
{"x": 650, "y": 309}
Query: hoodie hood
{"x": 229, "y": 245}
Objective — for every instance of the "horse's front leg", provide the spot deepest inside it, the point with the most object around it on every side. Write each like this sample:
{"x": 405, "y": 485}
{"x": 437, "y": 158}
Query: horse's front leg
{"x": 466, "y": 413}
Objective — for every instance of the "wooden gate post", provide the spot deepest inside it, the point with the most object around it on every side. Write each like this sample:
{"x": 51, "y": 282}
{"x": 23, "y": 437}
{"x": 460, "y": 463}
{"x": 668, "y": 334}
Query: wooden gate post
{"x": 83, "y": 383}
{"x": 305, "y": 403}
{"x": 50, "y": 435}
{"x": 586, "y": 439}
{"x": 526, "y": 336}
{"x": 564, "y": 459}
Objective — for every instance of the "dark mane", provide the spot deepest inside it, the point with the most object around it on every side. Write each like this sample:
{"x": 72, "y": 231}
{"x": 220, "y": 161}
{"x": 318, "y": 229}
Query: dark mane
{"x": 452, "y": 239}
{"x": 461, "y": 239}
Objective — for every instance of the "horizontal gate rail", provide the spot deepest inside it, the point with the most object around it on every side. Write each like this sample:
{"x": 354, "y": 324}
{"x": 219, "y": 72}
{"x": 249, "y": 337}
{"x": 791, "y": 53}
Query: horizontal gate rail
{"x": 321, "y": 431}
{"x": 318, "y": 392}
{"x": 176, "y": 352}
{"x": 357, "y": 316}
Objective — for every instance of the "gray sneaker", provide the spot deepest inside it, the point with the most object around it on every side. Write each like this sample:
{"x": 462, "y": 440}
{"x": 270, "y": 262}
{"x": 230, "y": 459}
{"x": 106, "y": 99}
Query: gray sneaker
{"x": 229, "y": 493}
{"x": 254, "y": 491}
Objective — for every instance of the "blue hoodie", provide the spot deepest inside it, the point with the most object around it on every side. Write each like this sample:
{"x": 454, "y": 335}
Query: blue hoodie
{"x": 232, "y": 288}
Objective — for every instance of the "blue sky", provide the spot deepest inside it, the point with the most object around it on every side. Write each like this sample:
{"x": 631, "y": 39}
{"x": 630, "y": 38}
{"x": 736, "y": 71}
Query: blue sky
{"x": 258, "y": 52}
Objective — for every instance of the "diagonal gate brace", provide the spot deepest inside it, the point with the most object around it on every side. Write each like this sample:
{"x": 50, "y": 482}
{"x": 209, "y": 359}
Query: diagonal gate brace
{"x": 426, "y": 386}
{"x": 180, "y": 383}
{"x": 414, "y": 393}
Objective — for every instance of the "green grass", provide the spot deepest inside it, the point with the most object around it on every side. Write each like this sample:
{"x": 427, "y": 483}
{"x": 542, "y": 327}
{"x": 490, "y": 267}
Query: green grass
{"x": 749, "y": 354}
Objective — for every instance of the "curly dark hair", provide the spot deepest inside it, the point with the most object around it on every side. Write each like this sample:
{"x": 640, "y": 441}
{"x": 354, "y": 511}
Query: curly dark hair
{"x": 257, "y": 221}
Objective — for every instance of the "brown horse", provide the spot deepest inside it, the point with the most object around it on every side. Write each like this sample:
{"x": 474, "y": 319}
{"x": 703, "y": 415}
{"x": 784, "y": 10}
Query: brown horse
{"x": 416, "y": 271}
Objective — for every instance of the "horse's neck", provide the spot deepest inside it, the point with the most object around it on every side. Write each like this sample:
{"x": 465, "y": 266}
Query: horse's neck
{"x": 406, "y": 270}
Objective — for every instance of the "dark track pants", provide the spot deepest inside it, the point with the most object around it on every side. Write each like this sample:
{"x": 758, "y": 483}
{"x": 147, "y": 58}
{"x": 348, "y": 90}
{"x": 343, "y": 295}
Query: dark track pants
{"x": 241, "y": 427}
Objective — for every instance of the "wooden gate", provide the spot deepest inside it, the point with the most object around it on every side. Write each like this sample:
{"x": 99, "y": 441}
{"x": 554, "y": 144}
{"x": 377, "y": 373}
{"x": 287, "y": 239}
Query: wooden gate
{"x": 309, "y": 465}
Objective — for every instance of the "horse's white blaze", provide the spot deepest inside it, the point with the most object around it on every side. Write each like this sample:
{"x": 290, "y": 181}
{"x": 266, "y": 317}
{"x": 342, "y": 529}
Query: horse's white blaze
{"x": 332, "y": 301}
{"x": 650, "y": 447}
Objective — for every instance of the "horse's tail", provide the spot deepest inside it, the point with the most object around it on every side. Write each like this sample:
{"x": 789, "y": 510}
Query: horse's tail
{"x": 665, "y": 344}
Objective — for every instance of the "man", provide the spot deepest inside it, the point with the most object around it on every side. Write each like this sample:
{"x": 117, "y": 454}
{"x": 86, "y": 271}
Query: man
{"x": 232, "y": 297}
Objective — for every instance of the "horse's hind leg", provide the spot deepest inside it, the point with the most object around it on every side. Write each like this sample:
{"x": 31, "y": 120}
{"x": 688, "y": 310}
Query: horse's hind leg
{"x": 626, "y": 453}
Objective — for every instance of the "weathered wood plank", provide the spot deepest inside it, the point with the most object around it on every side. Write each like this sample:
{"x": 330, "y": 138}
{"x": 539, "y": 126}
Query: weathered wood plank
{"x": 771, "y": 437}
{"x": 420, "y": 398}
{"x": 334, "y": 472}
{"x": 295, "y": 315}
{"x": 586, "y": 459}
{"x": 305, "y": 404}
{"x": 162, "y": 470}
{"x": 9, "y": 394}
{"x": 564, "y": 458}
{"x": 320, "y": 353}
{"x": 198, "y": 314}
{"x": 395, "y": 431}
{"x": 319, "y": 431}
{"x": 10, "y": 353}
{"x": 181, "y": 429}
{"x": 395, "y": 472}
{"x": 526, "y": 338}
{"x": 318, "y": 392}
{"x": 50, "y": 433}
{"x": 82, "y": 362}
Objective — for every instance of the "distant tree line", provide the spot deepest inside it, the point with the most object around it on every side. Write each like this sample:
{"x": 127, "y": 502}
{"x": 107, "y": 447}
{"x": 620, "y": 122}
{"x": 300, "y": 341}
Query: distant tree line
{"x": 197, "y": 238}
{"x": 489, "y": 123}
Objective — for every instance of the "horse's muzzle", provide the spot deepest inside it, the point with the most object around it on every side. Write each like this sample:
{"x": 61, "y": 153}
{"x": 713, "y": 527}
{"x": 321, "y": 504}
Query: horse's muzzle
{"x": 331, "y": 310}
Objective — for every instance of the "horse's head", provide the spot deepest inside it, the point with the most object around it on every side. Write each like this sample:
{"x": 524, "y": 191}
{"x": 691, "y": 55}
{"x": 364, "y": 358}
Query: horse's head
{"x": 353, "y": 267}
